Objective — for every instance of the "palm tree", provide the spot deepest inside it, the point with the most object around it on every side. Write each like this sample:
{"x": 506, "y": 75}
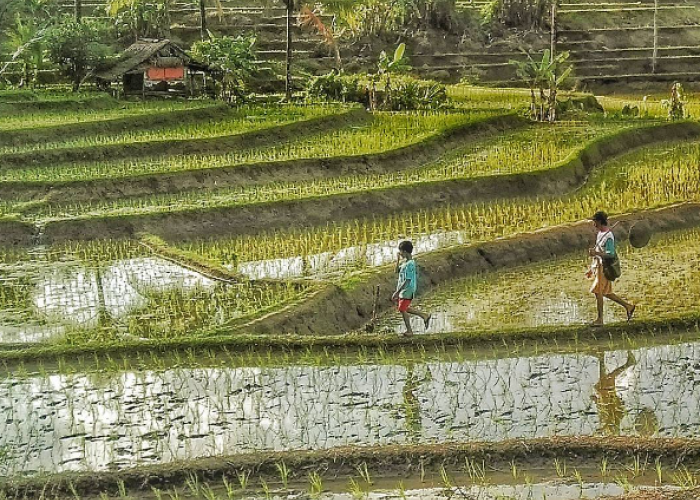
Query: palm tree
{"x": 24, "y": 41}
{"x": 203, "y": 15}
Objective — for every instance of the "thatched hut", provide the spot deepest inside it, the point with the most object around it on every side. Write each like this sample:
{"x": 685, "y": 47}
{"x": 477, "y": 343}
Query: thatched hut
{"x": 155, "y": 68}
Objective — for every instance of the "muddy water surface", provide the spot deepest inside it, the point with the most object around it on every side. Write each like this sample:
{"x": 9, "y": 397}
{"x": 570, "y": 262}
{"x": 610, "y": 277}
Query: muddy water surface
{"x": 100, "y": 421}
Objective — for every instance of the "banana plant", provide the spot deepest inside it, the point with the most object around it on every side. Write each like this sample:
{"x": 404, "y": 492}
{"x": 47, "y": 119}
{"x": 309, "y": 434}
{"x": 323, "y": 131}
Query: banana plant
{"x": 545, "y": 76}
{"x": 25, "y": 41}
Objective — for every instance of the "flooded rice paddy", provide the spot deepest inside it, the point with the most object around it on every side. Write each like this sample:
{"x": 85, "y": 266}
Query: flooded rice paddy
{"x": 112, "y": 420}
{"x": 117, "y": 290}
{"x": 541, "y": 491}
{"x": 661, "y": 278}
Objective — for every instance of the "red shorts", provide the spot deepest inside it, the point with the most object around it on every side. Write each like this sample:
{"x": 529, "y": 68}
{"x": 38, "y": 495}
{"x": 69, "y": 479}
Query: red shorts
{"x": 404, "y": 304}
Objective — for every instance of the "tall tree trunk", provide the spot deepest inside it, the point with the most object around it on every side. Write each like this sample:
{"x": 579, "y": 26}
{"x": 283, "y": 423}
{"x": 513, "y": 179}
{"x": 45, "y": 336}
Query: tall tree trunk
{"x": 78, "y": 10}
{"x": 553, "y": 30}
{"x": 655, "y": 51}
{"x": 288, "y": 81}
{"x": 203, "y": 19}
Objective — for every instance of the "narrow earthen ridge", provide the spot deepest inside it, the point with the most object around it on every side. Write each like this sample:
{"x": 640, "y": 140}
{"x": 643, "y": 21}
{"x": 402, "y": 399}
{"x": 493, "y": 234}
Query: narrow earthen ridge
{"x": 16, "y": 233}
{"x": 339, "y": 310}
{"x": 251, "y": 219}
{"x": 381, "y": 461}
{"x": 265, "y": 172}
{"x": 55, "y": 133}
{"x": 215, "y": 145}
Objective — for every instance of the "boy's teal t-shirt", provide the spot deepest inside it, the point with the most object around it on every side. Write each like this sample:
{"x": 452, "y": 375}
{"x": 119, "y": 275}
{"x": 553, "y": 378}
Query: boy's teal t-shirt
{"x": 407, "y": 271}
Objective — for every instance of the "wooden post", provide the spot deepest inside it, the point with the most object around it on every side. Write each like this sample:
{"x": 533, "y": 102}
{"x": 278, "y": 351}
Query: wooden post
{"x": 553, "y": 30}
{"x": 655, "y": 51}
{"x": 78, "y": 10}
{"x": 203, "y": 19}
{"x": 288, "y": 82}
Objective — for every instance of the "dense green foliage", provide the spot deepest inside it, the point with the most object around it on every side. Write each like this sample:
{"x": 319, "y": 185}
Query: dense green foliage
{"x": 233, "y": 60}
{"x": 77, "y": 47}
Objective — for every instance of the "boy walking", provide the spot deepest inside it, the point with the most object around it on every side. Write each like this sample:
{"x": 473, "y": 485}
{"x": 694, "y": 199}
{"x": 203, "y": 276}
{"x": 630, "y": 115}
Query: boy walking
{"x": 406, "y": 287}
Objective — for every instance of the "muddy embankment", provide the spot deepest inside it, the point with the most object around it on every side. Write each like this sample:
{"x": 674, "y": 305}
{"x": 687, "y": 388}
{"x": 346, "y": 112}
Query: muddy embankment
{"x": 216, "y": 145}
{"x": 56, "y": 133}
{"x": 400, "y": 461}
{"x": 266, "y": 172}
{"x": 251, "y": 219}
{"x": 336, "y": 310}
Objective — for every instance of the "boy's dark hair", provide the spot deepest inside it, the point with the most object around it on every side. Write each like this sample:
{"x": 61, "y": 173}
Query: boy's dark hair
{"x": 600, "y": 217}
{"x": 406, "y": 246}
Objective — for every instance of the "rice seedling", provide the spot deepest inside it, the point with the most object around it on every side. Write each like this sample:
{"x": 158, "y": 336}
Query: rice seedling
{"x": 515, "y": 152}
{"x": 315, "y": 484}
{"x": 91, "y": 292}
{"x": 238, "y": 121}
{"x": 647, "y": 178}
{"x": 28, "y": 120}
{"x": 387, "y": 131}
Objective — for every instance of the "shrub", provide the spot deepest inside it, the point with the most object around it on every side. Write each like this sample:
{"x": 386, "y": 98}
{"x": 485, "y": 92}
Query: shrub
{"x": 233, "y": 62}
{"x": 391, "y": 92}
{"x": 77, "y": 48}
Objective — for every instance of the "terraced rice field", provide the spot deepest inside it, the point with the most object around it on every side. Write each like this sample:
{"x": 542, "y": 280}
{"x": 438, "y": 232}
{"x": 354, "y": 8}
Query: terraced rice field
{"x": 188, "y": 308}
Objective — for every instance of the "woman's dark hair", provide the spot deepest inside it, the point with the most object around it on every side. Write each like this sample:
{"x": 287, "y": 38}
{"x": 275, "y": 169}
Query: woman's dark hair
{"x": 600, "y": 217}
{"x": 406, "y": 246}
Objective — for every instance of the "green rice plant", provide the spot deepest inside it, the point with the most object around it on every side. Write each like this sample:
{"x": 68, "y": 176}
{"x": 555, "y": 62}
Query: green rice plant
{"x": 684, "y": 478}
{"x": 364, "y": 473}
{"x": 476, "y": 471}
{"x": 315, "y": 484}
{"x": 243, "y": 477}
{"x": 386, "y": 131}
{"x": 532, "y": 149}
{"x": 560, "y": 467}
{"x": 647, "y": 106}
{"x": 283, "y": 472}
{"x": 647, "y": 178}
{"x": 355, "y": 490}
{"x": 29, "y": 120}
{"x": 230, "y": 488}
{"x": 159, "y": 299}
{"x": 446, "y": 479}
{"x": 238, "y": 121}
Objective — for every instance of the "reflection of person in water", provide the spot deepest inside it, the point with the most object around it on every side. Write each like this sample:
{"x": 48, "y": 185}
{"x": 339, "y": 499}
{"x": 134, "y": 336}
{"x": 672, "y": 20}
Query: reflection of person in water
{"x": 610, "y": 407}
{"x": 411, "y": 404}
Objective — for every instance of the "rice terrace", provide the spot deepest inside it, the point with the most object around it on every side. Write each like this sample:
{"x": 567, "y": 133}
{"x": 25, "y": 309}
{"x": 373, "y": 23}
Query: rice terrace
{"x": 350, "y": 249}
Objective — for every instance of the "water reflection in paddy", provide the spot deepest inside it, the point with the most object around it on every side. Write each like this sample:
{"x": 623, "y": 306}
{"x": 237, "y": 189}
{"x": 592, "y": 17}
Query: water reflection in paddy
{"x": 117, "y": 289}
{"x": 345, "y": 260}
{"x": 540, "y": 491}
{"x": 100, "y": 421}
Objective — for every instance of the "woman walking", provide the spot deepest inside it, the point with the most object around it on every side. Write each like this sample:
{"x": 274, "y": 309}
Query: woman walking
{"x": 602, "y": 286}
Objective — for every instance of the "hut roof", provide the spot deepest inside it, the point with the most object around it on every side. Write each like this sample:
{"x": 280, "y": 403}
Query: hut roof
{"x": 139, "y": 53}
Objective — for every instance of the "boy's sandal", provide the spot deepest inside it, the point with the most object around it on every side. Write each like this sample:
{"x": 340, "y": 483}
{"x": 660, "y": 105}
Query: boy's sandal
{"x": 426, "y": 321}
{"x": 630, "y": 313}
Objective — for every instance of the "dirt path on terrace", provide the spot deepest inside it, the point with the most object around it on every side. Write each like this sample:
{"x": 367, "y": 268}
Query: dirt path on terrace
{"x": 215, "y": 145}
{"x": 265, "y": 172}
{"x": 336, "y": 311}
{"x": 254, "y": 218}
{"x": 55, "y": 133}
{"x": 381, "y": 461}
